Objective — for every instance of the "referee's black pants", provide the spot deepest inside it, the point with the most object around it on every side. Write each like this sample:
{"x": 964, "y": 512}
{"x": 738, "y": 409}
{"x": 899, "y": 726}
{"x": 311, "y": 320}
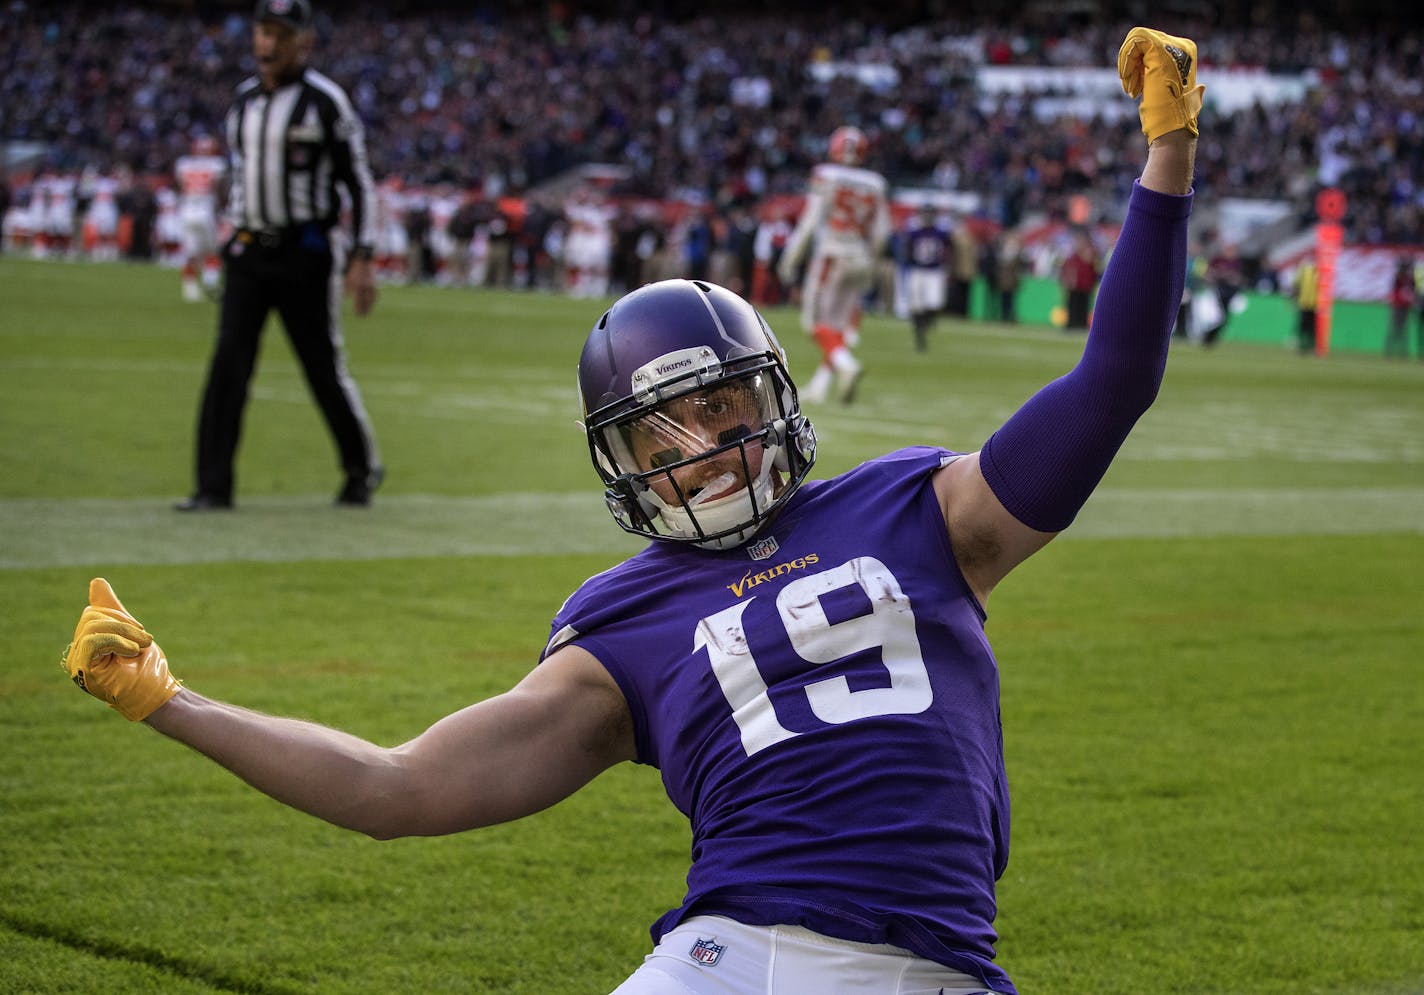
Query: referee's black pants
{"x": 293, "y": 274}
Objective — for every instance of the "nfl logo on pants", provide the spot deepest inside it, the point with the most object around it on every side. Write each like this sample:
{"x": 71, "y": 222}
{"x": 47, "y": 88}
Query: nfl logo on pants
{"x": 707, "y": 951}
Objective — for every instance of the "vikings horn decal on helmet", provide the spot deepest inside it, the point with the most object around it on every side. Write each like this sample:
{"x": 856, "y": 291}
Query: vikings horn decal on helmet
{"x": 848, "y": 146}
{"x": 692, "y": 419}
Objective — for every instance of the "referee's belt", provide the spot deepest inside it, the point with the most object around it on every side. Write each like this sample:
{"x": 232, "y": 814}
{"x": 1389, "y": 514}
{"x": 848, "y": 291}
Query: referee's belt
{"x": 275, "y": 238}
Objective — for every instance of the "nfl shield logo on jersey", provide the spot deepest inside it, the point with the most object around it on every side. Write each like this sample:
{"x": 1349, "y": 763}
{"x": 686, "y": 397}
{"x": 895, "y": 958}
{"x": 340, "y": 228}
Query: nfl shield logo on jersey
{"x": 763, "y": 549}
{"x": 707, "y": 951}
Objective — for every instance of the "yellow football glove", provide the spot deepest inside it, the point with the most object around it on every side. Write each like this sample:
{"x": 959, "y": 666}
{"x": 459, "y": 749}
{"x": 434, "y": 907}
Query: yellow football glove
{"x": 115, "y": 660}
{"x": 1162, "y": 70}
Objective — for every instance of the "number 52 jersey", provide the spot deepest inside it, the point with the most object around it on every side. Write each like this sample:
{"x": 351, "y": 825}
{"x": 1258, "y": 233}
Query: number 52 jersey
{"x": 823, "y": 706}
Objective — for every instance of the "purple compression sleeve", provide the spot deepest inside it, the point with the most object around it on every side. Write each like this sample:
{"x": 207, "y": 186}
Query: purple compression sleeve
{"x": 1047, "y": 458}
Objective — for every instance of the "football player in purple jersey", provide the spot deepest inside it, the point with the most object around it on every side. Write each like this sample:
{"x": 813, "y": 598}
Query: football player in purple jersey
{"x": 803, "y": 660}
{"x": 927, "y": 252}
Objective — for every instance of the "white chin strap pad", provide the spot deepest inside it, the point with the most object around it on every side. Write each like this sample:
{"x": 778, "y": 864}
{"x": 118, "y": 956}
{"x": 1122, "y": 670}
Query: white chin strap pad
{"x": 730, "y": 512}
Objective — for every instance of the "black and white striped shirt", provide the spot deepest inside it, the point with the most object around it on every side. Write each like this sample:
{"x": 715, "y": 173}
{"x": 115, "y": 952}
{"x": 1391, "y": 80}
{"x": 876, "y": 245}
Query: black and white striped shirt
{"x": 292, "y": 148}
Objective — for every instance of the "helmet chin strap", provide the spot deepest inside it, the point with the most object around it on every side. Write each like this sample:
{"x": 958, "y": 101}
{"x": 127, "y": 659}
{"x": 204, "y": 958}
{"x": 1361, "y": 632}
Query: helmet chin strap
{"x": 742, "y": 508}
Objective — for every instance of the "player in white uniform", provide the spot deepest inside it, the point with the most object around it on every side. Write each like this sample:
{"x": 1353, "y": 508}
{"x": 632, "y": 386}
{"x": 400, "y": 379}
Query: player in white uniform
{"x": 772, "y": 234}
{"x": 167, "y": 229}
{"x": 847, "y": 216}
{"x": 392, "y": 240}
{"x": 588, "y": 251}
{"x": 200, "y": 176}
{"x": 102, "y": 217}
{"x": 17, "y": 229}
{"x": 53, "y": 210}
{"x": 443, "y": 206}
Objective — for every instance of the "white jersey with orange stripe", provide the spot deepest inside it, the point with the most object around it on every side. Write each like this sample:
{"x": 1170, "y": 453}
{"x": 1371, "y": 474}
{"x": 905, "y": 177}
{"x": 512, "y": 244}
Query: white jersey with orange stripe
{"x": 846, "y": 212}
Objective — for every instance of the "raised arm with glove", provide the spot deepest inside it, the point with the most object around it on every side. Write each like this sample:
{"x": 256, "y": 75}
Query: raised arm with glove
{"x": 113, "y": 658}
{"x": 1162, "y": 70}
{"x": 1042, "y": 465}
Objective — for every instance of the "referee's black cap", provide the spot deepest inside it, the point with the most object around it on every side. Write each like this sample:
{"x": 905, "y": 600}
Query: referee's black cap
{"x": 296, "y": 14}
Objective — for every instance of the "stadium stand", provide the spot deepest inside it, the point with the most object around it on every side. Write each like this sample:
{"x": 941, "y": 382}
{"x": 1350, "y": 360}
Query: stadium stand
{"x": 733, "y": 108}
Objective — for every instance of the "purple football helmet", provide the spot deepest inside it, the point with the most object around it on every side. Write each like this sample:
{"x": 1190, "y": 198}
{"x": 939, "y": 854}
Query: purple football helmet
{"x": 692, "y": 419}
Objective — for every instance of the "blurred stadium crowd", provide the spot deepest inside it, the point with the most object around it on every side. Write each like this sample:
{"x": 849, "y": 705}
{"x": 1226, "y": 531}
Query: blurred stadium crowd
{"x": 730, "y": 110}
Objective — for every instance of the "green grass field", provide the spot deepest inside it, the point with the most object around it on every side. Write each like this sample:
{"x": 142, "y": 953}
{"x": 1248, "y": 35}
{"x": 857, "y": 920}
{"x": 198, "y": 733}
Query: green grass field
{"x": 1212, "y": 694}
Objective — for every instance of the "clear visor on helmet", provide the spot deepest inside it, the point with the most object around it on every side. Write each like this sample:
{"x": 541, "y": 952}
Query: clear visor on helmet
{"x": 703, "y": 457}
{"x": 690, "y": 446}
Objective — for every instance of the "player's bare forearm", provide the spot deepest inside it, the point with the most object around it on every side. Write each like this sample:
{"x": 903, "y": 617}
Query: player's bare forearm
{"x": 1171, "y": 163}
{"x": 332, "y": 775}
{"x": 495, "y": 761}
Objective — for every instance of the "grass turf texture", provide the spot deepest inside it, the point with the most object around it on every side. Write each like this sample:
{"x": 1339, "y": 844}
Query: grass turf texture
{"x": 1211, "y": 690}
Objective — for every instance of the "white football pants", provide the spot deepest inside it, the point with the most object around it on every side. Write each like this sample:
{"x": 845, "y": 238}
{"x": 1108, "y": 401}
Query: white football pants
{"x": 711, "y": 955}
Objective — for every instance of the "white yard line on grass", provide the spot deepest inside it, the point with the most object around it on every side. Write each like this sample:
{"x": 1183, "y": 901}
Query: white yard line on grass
{"x": 37, "y": 533}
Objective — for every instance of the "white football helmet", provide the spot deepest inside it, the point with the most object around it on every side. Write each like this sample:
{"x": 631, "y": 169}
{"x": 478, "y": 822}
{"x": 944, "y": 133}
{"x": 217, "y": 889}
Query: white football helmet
{"x": 848, "y": 146}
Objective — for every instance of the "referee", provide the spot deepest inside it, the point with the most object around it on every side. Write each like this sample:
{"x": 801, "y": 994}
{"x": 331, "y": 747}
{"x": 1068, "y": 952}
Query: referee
{"x": 295, "y": 143}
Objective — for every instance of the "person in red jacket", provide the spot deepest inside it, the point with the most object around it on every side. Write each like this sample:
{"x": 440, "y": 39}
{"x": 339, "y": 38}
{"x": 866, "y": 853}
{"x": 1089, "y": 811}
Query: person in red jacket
{"x": 1079, "y": 277}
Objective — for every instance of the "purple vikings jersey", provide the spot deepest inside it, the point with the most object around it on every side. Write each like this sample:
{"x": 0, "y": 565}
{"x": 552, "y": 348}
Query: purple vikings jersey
{"x": 927, "y": 247}
{"x": 824, "y": 708}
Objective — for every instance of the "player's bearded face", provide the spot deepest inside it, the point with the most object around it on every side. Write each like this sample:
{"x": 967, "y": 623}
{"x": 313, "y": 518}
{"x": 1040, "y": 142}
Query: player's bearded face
{"x": 696, "y": 423}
